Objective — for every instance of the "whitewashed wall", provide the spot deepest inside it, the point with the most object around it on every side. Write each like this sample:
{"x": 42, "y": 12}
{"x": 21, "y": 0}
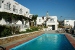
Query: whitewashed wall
{"x": 69, "y": 22}
{"x": 25, "y": 11}
{"x": 4, "y": 8}
{"x": 40, "y": 21}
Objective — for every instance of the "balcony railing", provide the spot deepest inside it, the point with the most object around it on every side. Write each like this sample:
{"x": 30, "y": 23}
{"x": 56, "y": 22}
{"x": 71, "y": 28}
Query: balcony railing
{"x": 51, "y": 22}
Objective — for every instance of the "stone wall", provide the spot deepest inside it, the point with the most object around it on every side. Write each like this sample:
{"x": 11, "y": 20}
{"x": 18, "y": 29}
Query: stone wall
{"x": 5, "y": 40}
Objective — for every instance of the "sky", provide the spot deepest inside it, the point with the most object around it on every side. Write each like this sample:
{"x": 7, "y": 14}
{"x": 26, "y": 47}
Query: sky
{"x": 64, "y": 8}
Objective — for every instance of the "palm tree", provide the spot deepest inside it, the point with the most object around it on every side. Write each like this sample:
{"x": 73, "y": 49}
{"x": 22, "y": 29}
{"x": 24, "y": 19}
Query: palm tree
{"x": 34, "y": 17}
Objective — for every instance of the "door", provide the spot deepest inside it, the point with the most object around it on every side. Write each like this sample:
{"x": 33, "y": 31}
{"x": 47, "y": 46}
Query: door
{"x": 53, "y": 27}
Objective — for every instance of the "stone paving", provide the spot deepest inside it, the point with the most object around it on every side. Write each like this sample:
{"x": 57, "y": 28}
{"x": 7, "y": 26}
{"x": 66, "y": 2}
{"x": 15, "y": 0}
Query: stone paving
{"x": 18, "y": 42}
{"x": 71, "y": 39}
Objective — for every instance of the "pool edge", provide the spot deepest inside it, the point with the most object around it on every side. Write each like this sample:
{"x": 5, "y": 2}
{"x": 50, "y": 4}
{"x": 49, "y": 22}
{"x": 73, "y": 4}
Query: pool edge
{"x": 20, "y": 42}
{"x": 71, "y": 40}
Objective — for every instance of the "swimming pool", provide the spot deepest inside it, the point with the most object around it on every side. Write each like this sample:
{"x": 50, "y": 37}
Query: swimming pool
{"x": 46, "y": 42}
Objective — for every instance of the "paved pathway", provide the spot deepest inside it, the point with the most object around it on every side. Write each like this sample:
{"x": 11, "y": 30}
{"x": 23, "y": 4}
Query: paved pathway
{"x": 51, "y": 31}
{"x": 23, "y": 40}
{"x": 71, "y": 39}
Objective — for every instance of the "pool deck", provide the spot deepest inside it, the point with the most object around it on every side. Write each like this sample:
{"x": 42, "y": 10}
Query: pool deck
{"x": 18, "y": 42}
{"x": 69, "y": 37}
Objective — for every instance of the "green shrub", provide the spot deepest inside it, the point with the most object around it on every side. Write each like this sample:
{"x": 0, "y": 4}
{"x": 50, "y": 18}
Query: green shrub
{"x": 15, "y": 29}
{"x": 5, "y": 31}
{"x": 29, "y": 30}
{"x": 34, "y": 28}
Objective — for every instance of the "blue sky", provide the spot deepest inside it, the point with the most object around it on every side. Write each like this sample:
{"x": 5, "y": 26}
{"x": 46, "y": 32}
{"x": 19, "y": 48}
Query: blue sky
{"x": 64, "y": 8}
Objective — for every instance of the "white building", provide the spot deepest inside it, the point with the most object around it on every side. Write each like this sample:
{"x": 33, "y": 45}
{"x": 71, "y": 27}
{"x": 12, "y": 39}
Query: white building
{"x": 51, "y": 23}
{"x": 39, "y": 21}
{"x": 69, "y": 23}
{"x": 11, "y": 6}
{"x": 14, "y": 7}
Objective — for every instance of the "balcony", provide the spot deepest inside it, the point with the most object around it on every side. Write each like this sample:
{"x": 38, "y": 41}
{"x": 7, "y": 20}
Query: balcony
{"x": 50, "y": 21}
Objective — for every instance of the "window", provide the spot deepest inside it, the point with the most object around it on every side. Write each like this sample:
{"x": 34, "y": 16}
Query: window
{"x": 14, "y": 9}
{"x": 0, "y": 4}
{"x": 26, "y": 12}
{"x": 5, "y": 6}
{"x": 8, "y": 6}
{"x": 51, "y": 19}
{"x": 20, "y": 11}
{"x": 67, "y": 21}
{"x": 39, "y": 20}
{"x": 2, "y": 1}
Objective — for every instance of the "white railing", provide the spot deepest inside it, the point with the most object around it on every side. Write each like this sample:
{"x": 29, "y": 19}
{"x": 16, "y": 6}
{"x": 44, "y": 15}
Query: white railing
{"x": 21, "y": 26}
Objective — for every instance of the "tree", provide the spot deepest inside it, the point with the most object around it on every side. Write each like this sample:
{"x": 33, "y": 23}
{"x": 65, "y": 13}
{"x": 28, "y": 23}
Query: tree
{"x": 34, "y": 18}
{"x": 6, "y": 16}
{"x": 61, "y": 24}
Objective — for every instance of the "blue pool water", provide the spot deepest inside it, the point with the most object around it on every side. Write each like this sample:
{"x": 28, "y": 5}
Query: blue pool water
{"x": 46, "y": 42}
